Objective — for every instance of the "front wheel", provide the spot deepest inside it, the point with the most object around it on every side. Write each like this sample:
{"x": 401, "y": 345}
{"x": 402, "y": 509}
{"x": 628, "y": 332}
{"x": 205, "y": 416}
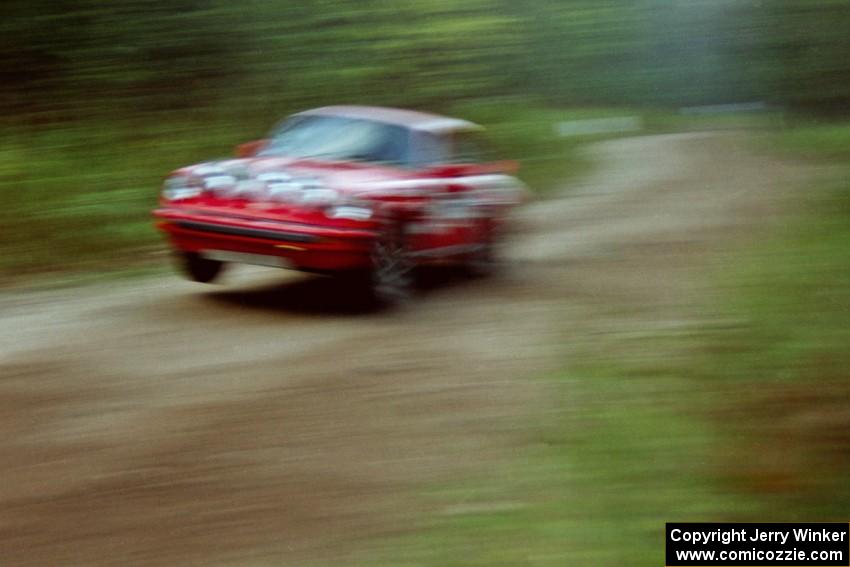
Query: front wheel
{"x": 391, "y": 276}
{"x": 200, "y": 269}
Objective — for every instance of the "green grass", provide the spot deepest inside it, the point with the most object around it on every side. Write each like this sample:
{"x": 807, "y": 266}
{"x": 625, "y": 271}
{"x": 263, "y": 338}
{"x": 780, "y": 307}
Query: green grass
{"x": 790, "y": 358}
{"x": 661, "y": 120}
{"x": 77, "y": 198}
{"x": 814, "y": 140}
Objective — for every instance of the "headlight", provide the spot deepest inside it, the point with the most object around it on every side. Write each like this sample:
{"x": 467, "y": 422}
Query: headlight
{"x": 318, "y": 197}
{"x": 181, "y": 187}
{"x": 353, "y": 210}
{"x": 309, "y": 191}
{"x": 349, "y": 212}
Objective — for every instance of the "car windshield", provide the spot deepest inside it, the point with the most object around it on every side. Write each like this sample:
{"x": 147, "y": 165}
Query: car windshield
{"x": 339, "y": 138}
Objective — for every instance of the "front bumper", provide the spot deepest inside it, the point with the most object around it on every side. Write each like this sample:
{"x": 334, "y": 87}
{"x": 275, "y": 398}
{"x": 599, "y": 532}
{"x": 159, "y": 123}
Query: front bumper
{"x": 301, "y": 246}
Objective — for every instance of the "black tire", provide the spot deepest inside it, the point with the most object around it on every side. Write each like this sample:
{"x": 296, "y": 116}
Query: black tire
{"x": 200, "y": 269}
{"x": 390, "y": 281}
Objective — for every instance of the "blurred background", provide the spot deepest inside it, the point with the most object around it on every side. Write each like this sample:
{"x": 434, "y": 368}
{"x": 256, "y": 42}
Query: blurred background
{"x": 121, "y": 93}
{"x": 740, "y": 414}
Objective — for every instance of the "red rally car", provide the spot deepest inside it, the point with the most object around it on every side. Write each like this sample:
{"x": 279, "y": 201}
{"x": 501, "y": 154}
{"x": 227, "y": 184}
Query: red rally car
{"x": 358, "y": 191}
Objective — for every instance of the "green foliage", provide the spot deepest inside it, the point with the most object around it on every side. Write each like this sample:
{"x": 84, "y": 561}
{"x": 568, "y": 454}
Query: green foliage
{"x": 81, "y": 197}
{"x": 76, "y": 59}
{"x": 810, "y": 48}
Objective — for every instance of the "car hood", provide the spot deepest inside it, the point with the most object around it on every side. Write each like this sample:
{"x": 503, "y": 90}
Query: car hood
{"x": 341, "y": 176}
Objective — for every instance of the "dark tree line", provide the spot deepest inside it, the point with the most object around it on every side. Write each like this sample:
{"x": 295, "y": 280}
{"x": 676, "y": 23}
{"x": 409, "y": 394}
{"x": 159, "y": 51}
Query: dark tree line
{"x": 75, "y": 58}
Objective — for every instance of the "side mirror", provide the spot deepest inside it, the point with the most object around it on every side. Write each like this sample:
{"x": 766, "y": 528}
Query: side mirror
{"x": 250, "y": 149}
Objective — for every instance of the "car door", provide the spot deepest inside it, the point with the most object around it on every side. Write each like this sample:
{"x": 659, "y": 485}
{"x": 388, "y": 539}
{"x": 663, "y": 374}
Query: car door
{"x": 467, "y": 189}
{"x": 442, "y": 230}
{"x": 464, "y": 192}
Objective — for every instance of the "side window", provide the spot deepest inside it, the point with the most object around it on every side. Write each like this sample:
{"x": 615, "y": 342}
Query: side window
{"x": 390, "y": 146}
{"x": 429, "y": 149}
{"x": 469, "y": 147}
{"x": 461, "y": 147}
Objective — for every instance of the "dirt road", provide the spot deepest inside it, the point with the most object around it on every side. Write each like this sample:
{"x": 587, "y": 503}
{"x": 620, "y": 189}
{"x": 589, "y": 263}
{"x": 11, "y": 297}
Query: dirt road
{"x": 159, "y": 422}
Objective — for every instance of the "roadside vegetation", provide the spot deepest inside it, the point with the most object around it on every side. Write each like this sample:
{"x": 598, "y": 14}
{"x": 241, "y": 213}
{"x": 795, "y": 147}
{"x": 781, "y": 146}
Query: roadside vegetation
{"x": 101, "y": 100}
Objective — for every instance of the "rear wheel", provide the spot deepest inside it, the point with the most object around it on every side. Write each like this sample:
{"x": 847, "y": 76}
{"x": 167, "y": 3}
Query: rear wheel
{"x": 200, "y": 269}
{"x": 485, "y": 260}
